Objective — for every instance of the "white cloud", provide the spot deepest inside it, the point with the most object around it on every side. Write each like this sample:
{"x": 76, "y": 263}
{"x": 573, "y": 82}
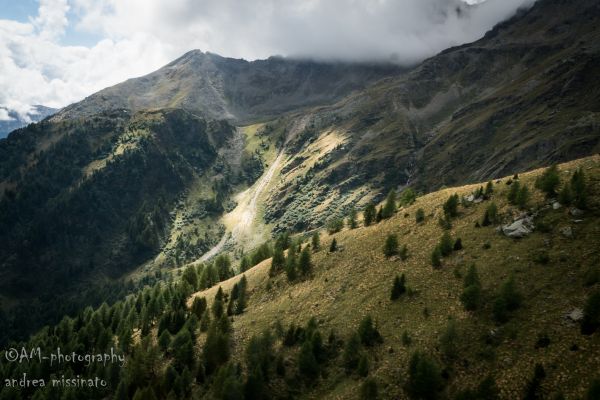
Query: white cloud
{"x": 4, "y": 115}
{"x": 141, "y": 35}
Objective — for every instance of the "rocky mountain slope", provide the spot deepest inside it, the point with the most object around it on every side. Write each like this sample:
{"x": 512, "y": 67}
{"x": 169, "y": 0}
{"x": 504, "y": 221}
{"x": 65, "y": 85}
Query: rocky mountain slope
{"x": 226, "y": 88}
{"x": 525, "y": 95}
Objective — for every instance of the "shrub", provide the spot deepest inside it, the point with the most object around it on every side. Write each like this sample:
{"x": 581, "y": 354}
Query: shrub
{"x": 369, "y": 335}
{"x": 424, "y": 378}
{"x": 509, "y": 299}
{"x": 399, "y": 287}
{"x": 436, "y": 257}
{"x": 591, "y": 314}
{"x": 549, "y": 181}
{"x": 408, "y": 197}
{"x": 334, "y": 224}
{"x": 406, "y": 339}
{"x": 278, "y": 261}
{"x": 307, "y": 363}
{"x": 446, "y": 244}
{"x": 565, "y": 196}
{"x": 369, "y": 214}
{"x": 420, "y": 215}
{"x": 391, "y": 245}
{"x": 451, "y": 206}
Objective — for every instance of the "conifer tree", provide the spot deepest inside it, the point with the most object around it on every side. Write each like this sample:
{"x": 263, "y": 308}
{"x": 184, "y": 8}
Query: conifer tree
{"x": 379, "y": 215}
{"x": 363, "y": 365}
{"x": 351, "y": 352}
{"x": 198, "y": 306}
{"x": 451, "y": 206}
{"x": 277, "y": 262}
{"x": 446, "y": 244}
{"x": 408, "y": 197}
{"x": 399, "y": 287}
{"x": 369, "y": 214}
{"x": 316, "y": 241}
{"x": 549, "y": 181}
{"x": 217, "y": 306}
{"x": 352, "y": 222}
{"x": 523, "y": 197}
{"x": 424, "y": 377}
{"x": 391, "y": 245}
{"x": 369, "y": 335}
{"x": 489, "y": 189}
{"x": 471, "y": 294}
{"x": 579, "y": 189}
{"x": 333, "y": 246}
{"x": 436, "y": 257}
{"x": 420, "y": 215}
{"x": 307, "y": 363}
{"x": 513, "y": 193}
{"x": 389, "y": 208}
{"x": 305, "y": 264}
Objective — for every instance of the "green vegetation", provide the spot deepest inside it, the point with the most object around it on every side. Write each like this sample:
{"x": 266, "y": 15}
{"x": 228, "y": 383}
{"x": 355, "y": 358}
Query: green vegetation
{"x": 471, "y": 295}
{"x": 391, "y": 245}
{"x": 369, "y": 214}
{"x": 398, "y": 287}
{"x": 424, "y": 378}
{"x": 420, "y": 215}
{"x": 549, "y": 181}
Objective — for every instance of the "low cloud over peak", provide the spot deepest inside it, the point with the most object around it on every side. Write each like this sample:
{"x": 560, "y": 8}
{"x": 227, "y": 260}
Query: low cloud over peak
{"x": 137, "y": 36}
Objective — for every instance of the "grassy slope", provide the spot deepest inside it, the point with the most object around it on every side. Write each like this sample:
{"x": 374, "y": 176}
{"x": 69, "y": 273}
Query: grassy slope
{"x": 356, "y": 281}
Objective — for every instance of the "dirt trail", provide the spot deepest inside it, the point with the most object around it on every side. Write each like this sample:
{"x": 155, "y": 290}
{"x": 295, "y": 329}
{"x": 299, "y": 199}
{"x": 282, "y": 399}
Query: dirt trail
{"x": 241, "y": 218}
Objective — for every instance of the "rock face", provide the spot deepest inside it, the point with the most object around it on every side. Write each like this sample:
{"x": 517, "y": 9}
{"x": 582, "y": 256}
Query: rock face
{"x": 566, "y": 231}
{"x": 575, "y": 315}
{"x": 520, "y": 228}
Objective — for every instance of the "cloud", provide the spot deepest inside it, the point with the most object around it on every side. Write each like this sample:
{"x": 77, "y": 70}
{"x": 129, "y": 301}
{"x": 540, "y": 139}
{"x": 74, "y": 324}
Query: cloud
{"x": 4, "y": 115}
{"x": 140, "y": 36}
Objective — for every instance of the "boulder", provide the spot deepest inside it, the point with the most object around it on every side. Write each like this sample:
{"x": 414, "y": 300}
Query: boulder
{"x": 566, "y": 231}
{"x": 575, "y": 315}
{"x": 519, "y": 228}
{"x": 576, "y": 212}
{"x": 556, "y": 205}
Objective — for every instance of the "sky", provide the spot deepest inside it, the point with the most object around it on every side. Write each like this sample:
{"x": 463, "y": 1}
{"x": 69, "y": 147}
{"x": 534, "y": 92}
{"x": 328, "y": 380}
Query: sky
{"x": 56, "y": 52}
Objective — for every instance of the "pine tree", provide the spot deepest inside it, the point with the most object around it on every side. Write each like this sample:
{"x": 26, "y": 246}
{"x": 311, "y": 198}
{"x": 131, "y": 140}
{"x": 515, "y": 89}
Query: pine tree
{"x": 579, "y": 189}
{"x": 369, "y": 390}
{"x": 513, "y": 193}
{"x": 389, "y": 208}
{"x": 457, "y": 245}
{"x": 408, "y": 197}
{"x": 489, "y": 189}
{"x": 403, "y": 253}
{"x": 446, "y": 244}
{"x": 379, "y": 215}
{"x": 244, "y": 264}
{"x": 198, "y": 306}
{"x": 333, "y": 246}
{"x": 278, "y": 261}
{"x": 533, "y": 390}
{"x": 369, "y": 214}
{"x": 191, "y": 277}
{"x": 451, "y": 206}
{"x": 471, "y": 294}
{"x": 307, "y": 363}
{"x": 399, "y": 287}
{"x": 424, "y": 377}
{"x": 305, "y": 264}
{"x": 391, "y": 245}
{"x": 420, "y": 216}
{"x": 352, "y": 222}
{"x": 363, "y": 365}
{"x": 591, "y": 314}
{"x": 549, "y": 181}
{"x": 369, "y": 335}
{"x": 164, "y": 340}
{"x": 217, "y": 306}
{"x": 351, "y": 352}
{"x": 316, "y": 241}
{"x": 523, "y": 197}
{"x": 436, "y": 257}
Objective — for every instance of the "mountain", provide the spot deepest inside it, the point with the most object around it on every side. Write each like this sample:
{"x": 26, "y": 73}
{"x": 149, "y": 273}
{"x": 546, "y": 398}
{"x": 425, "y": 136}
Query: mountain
{"x": 226, "y": 88}
{"x": 213, "y": 154}
{"x": 16, "y": 121}
{"x": 523, "y": 96}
